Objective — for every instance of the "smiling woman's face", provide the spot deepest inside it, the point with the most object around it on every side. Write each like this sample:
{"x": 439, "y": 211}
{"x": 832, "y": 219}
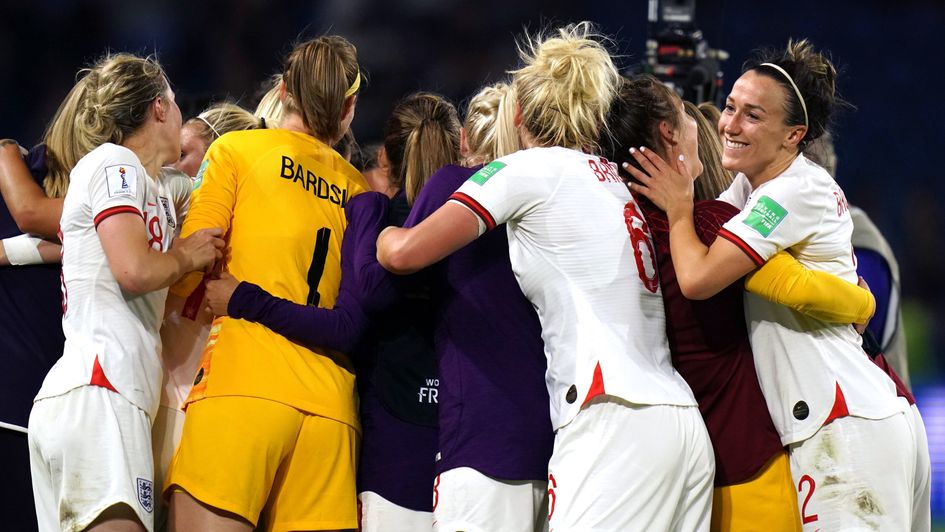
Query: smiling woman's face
{"x": 752, "y": 124}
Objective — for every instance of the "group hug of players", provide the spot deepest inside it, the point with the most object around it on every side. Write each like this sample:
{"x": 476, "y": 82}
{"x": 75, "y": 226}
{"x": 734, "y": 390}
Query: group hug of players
{"x": 521, "y": 321}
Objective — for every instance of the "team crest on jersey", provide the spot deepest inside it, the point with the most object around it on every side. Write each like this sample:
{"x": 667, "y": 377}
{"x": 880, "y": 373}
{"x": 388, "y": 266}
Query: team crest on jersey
{"x": 121, "y": 180}
{"x": 146, "y": 494}
{"x": 167, "y": 212}
{"x": 765, "y": 216}
{"x": 198, "y": 179}
{"x": 486, "y": 172}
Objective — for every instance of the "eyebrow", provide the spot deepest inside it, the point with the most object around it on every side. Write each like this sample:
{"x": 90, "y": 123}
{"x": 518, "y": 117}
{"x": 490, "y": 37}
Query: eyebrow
{"x": 753, "y": 107}
{"x": 749, "y": 106}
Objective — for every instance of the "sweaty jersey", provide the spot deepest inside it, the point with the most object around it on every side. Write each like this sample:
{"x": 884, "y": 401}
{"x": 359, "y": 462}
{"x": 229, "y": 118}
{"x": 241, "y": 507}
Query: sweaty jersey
{"x": 112, "y": 337}
{"x": 809, "y": 370}
{"x": 280, "y": 197}
{"x": 582, "y": 254}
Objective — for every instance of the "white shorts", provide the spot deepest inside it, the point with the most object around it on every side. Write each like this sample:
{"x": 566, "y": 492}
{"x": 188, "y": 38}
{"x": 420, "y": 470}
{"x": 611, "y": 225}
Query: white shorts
{"x": 90, "y": 449}
{"x": 165, "y": 435}
{"x": 377, "y": 514}
{"x": 465, "y": 499}
{"x": 620, "y": 466}
{"x": 857, "y": 473}
{"x": 182, "y": 344}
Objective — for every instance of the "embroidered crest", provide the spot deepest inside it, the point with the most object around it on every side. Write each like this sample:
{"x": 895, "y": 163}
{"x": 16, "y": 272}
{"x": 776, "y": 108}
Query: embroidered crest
{"x": 146, "y": 494}
{"x": 167, "y": 212}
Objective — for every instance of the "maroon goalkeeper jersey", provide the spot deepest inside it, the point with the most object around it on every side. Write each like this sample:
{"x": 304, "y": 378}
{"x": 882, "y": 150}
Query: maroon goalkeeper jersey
{"x": 710, "y": 349}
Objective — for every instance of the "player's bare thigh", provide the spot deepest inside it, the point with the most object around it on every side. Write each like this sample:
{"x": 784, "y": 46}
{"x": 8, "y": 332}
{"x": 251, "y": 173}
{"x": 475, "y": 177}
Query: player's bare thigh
{"x": 117, "y": 518}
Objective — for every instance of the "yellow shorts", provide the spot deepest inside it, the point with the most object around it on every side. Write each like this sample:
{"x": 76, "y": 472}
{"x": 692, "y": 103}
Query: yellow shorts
{"x": 767, "y": 501}
{"x": 245, "y": 455}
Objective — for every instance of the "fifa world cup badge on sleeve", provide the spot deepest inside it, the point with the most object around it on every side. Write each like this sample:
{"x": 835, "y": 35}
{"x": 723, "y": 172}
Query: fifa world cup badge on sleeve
{"x": 765, "y": 216}
{"x": 486, "y": 172}
{"x": 121, "y": 180}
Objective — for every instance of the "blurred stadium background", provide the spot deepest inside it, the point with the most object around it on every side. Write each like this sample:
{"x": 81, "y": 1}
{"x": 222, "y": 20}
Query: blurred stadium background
{"x": 214, "y": 50}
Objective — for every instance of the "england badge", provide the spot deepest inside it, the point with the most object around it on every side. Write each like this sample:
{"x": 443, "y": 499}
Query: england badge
{"x": 146, "y": 494}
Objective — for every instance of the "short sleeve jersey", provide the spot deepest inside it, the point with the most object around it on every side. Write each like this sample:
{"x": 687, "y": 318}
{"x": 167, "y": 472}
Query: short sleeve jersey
{"x": 808, "y": 369}
{"x": 280, "y": 196}
{"x": 178, "y": 186}
{"x": 112, "y": 337}
{"x": 582, "y": 254}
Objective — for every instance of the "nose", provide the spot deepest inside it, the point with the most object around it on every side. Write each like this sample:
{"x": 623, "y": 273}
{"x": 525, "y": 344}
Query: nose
{"x": 729, "y": 124}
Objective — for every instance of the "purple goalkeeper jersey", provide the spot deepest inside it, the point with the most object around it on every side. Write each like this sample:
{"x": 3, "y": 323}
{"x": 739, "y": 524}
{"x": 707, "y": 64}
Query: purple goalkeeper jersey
{"x": 494, "y": 409}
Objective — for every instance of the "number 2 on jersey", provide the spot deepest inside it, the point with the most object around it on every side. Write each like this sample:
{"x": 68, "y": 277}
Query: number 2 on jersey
{"x": 806, "y": 479}
{"x": 315, "y": 271}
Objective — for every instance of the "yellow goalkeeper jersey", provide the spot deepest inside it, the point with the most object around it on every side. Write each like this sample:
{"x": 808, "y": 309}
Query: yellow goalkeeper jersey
{"x": 280, "y": 196}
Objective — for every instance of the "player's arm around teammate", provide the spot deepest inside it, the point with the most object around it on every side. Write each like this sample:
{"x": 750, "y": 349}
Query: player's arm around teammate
{"x": 824, "y": 390}
{"x": 114, "y": 228}
{"x": 753, "y": 482}
{"x": 280, "y": 193}
{"x": 573, "y": 261}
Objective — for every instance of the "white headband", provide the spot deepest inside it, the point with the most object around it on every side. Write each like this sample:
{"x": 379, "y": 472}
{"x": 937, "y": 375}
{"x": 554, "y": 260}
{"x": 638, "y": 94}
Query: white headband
{"x": 215, "y": 132}
{"x": 796, "y": 90}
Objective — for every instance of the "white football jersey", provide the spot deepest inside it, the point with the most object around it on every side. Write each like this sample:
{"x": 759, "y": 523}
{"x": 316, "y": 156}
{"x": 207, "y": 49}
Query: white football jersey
{"x": 583, "y": 255}
{"x": 112, "y": 337}
{"x": 803, "y": 362}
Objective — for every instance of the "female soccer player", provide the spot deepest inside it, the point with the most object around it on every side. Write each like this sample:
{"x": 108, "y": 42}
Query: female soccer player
{"x": 709, "y": 340}
{"x": 269, "y": 423}
{"x": 199, "y": 132}
{"x": 495, "y": 434}
{"x": 90, "y": 427}
{"x": 822, "y": 393}
{"x": 624, "y": 417}
{"x": 385, "y": 327}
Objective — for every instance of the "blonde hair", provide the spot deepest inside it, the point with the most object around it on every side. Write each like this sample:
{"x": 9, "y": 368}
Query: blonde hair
{"x": 64, "y": 146}
{"x": 490, "y": 128}
{"x": 109, "y": 101}
{"x": 317, "y": 75}
{"x": 270, "y": 106}
{"x": 714, "y": 179}
{"x": 422, "y": 135}
{"x": 220, "y": 119}
{"x": 566, "y": 86}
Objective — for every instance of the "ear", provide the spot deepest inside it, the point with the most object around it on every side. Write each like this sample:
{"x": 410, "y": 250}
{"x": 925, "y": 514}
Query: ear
{"x": 517, "y": 119}
{"x": 463, "y": 143}
{"x": 794, "y": 138}
{"x": 282, "y": 91}
{"x": 348, "y": 107}
{"x": 382, "y": 160}
{"x": 668, "y": 135}
{"x": 159, "y": 109}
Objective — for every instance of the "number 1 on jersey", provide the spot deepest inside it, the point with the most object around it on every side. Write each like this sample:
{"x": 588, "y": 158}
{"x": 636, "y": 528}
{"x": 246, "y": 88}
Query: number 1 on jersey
{"x": 315, "y": 271}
